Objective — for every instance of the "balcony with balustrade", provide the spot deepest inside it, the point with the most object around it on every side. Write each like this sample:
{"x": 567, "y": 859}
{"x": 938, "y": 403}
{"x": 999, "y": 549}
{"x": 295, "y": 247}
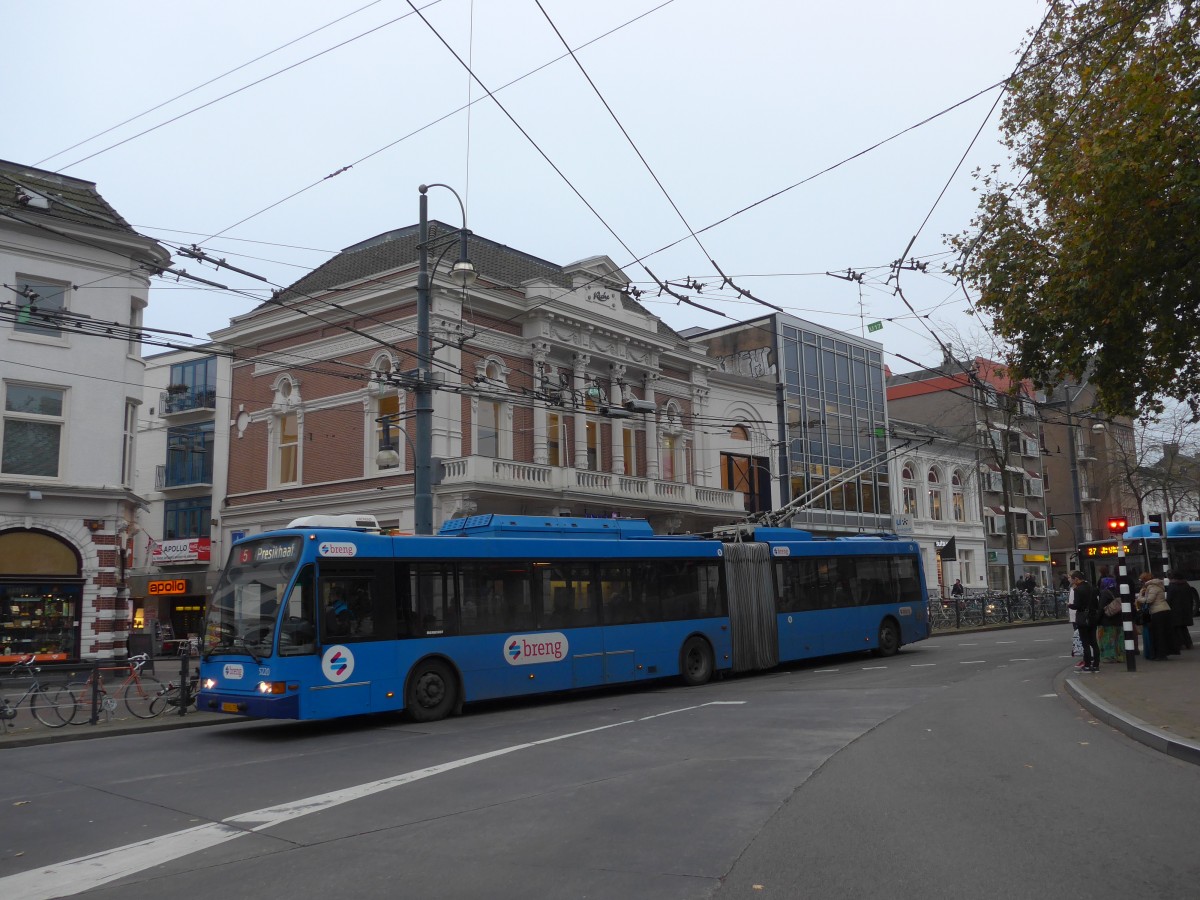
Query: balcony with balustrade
{"x": 507, "y": 485}
{"x": 180, "y": 401}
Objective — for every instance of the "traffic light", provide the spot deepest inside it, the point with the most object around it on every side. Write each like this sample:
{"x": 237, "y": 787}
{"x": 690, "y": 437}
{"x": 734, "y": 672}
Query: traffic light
{"x": 1156, "y": 524}
{"x": 1117, "y": 526}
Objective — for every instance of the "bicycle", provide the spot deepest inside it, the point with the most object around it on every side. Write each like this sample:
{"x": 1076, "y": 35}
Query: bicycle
{"x": 137, "y": 691}
{"x": 173, "y": 696}
{"x": 54, "y": 707}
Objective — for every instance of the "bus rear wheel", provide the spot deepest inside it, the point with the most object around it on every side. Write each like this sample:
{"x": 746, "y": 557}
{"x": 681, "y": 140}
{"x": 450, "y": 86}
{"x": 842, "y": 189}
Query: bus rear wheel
{"x": 696, "y": 662}
{"x": 432, "y": 692}
{"x": 889, "y": 638}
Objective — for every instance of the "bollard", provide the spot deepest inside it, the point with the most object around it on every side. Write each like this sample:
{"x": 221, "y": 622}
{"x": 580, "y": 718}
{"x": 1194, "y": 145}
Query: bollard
{"x": 183, "y": 681}
{"x": 1126, "y": 608}
{"x": 94, "y": 719}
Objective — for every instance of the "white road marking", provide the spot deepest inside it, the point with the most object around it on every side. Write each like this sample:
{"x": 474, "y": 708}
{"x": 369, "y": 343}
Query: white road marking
{"x": 820, "y": 671}
{"x": 86, "y": 872}
{"x": 920, "y": 665}
{"x": 971, "y": 662}
{"x": 1049, "y": 695}
{"x": 968, "y": 645}
{"x": 1005, "y": 642}
{"x": 1022, "y": 659}
{"x": 872, "y": 668}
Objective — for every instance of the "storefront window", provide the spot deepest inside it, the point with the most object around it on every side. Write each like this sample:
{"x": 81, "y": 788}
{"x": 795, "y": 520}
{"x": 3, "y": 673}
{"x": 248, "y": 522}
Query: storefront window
{"x": 39, "y": 618}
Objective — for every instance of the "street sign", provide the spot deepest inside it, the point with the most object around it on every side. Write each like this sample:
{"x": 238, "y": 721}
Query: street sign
{"x": 902, "y": 524}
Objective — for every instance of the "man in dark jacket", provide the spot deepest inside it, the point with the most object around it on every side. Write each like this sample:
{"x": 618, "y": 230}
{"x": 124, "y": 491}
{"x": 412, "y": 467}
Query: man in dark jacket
{"x": 1087, "y": 617}
{"x": 1181, "y": 596}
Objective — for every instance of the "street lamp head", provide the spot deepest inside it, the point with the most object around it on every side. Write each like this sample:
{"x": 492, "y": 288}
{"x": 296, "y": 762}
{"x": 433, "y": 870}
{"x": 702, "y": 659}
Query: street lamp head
{"x": 1098, "y": 427}
{"x": 463, "y": 273}
{"x": 387, "y": 458}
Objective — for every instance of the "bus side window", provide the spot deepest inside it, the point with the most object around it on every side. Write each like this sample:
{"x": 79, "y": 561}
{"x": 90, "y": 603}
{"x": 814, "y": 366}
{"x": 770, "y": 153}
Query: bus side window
{"x": 434, "y": 585}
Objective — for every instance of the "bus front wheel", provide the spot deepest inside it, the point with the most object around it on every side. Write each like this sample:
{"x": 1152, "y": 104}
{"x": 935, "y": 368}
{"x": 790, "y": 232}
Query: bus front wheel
{"x": 432, "y": 691}
{"x": 696, "y": 662}
{"x": 889, "y": 638}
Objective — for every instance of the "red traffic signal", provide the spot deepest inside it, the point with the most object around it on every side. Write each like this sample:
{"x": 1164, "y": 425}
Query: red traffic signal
{"x": 1117, "y": 526}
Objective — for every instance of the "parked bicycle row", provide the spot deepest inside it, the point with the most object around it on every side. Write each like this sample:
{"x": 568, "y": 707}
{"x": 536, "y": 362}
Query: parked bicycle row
{"x": 74, "y": 695}
{"x": 980, "y": 608}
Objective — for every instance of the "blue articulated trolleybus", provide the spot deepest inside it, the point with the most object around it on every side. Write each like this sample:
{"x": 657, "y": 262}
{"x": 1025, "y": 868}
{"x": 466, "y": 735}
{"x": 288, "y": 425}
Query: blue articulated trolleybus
{"x": 329, "y": 618}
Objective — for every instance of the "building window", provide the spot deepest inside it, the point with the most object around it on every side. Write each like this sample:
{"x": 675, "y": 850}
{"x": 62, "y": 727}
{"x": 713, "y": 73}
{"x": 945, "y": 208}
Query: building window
{"x": 190, "y": 455}
{"x": 491, "y": 418}
{"x": 128, "y": 437}
{"x": 391, "y": 437}
{"x": 193, "y": 385}
{"x": 957, "y": 499}
{"x": 593, "y": 446}
{"x": 554, "y": 440}
{"x": 908, "y": 488}
{"x": 33, "y": 427}
{"x": 488, "y": 429}
{"x": 751, "y": 476}
{"x": 287, "y": 449}
{"x": 136, "y": 305}
{"x": 935, "y": 495}
{"x": 38, "y": 304}
{"x": 629, "y": 448}
{"x": 668, "y": 457}
{"x": 190, "y": 518}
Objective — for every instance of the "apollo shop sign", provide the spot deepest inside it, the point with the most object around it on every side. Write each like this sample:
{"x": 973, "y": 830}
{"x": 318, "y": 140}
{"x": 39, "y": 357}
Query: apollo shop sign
{"x": 184, "y": 550}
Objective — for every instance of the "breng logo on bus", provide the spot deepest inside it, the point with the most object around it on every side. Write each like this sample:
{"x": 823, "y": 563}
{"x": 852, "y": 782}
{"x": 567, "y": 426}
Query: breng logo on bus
{"x": 337, "y": 548}
{"x": 527, "y": 649}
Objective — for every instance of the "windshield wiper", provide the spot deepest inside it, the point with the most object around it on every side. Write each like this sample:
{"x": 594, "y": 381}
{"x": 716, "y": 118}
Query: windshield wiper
{"x": 239, "y": 642}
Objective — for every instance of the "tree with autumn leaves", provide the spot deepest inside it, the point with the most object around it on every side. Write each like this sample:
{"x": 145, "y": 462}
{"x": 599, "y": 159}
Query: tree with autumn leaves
{"x": 1087, "y": 255}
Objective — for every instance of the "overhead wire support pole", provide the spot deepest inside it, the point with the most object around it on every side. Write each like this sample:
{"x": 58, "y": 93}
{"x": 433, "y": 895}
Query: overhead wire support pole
{"x": 463, "y": 273}
{"x": 423, "y": 445}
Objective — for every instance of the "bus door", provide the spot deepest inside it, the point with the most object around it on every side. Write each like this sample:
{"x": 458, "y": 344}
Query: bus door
{"x": 572, "y": 643}
{"x": 629, "y": 601}
{"x": 798, "y": 590}
{"x": 356, "y": 617}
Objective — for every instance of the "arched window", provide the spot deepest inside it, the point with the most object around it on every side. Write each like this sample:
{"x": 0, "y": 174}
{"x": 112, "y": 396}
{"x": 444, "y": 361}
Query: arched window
{"x": 739, "y": 433}
{"x": 935, "y": 495}
{"x": 286, "y": 423}
{"x": 908, "y": 489}
{"x": 492, "y": 417}
{"x": 957, "y": 501}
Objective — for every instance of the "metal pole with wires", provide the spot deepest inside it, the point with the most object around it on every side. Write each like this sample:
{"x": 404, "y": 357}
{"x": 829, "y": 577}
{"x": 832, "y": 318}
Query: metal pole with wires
{"x": 464, "y": 274}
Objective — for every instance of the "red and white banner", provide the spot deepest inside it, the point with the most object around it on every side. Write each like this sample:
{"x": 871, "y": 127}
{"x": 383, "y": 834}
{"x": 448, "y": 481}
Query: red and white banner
{"x": 182, "y": 550}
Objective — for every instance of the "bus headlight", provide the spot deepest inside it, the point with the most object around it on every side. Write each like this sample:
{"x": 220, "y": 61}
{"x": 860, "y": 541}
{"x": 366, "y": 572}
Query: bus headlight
{"x": 210, "y": 684}
{"x": 272, "y": 687}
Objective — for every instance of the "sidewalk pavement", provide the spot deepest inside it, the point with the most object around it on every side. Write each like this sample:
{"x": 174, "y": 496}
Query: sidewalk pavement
{"x": 1158, "y": 705}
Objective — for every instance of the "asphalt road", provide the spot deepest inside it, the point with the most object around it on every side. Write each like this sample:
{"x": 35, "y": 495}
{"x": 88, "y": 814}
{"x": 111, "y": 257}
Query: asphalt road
{"x": 959, "y": 768}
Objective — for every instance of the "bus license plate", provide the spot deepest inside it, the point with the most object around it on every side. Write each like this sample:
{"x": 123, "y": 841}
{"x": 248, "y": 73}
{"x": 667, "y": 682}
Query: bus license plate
{"x": 229, "y": 707}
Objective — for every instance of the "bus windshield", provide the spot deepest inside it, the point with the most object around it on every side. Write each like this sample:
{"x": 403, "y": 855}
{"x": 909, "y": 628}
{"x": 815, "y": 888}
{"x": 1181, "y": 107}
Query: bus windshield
{"x": 245, "y": 605}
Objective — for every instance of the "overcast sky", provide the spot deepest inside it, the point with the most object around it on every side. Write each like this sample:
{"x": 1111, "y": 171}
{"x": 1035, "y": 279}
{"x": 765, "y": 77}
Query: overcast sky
{"x": 730, "y": 103}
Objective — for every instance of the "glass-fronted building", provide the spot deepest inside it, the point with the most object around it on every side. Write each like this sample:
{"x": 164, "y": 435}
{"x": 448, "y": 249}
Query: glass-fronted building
{"x": 833, "y": 417}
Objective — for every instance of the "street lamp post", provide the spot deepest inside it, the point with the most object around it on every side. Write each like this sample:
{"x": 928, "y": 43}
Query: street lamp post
{"x": 463, "y": 273}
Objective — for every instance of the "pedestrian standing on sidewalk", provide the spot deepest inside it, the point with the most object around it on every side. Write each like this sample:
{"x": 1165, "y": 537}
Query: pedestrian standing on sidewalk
{"x": 1110, "y": 634}
{"x": 1152, "y": 599}
{"x": 1076, "y": 644}
{"x": 1181, "y": 597}
{"x": 1087, "y": 616}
